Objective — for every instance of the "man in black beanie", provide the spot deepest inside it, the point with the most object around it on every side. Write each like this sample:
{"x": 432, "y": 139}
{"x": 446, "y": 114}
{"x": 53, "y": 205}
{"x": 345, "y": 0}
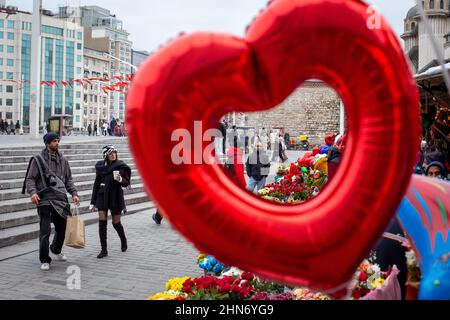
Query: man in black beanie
{"x": 48, "y": 180}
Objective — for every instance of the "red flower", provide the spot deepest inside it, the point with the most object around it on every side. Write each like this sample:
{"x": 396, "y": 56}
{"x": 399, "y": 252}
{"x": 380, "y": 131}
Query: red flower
{"x": 225, "y": 288}
{"x": 247, "y": 276}
{"x": 363, "y": 276}
{"x": 235, "y": 288}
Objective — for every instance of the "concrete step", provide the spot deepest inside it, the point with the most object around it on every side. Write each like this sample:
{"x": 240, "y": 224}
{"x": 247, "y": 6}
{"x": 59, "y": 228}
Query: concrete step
{"x": 22, "y": 233}
{"x": 70, "y": 157}
{"x": 20, "y": 174}
{"x": 15, "y": 219}
{"x": 74, "y": 145}
{"x": 81, "y": 186}
{"x": 26, "y": 152}
{"x": 23, "y": 204}
{"x": 77, "y": 178}
{"x": 80, "y": 163}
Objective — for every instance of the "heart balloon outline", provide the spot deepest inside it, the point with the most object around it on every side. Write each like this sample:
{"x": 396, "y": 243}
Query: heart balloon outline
{"x": 203, "y": 76}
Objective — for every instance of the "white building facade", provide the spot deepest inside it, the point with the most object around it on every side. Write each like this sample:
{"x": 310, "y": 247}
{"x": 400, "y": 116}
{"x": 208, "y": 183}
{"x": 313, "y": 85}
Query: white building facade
{"x": 61, "y": 60}
{"x": 418, "y": 45}
{"x": 104, "y": 32}
{"x": 96, "y": 102}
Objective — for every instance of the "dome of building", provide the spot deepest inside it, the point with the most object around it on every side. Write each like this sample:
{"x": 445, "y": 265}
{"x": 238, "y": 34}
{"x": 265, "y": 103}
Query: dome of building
{"x": 414, "y": 11}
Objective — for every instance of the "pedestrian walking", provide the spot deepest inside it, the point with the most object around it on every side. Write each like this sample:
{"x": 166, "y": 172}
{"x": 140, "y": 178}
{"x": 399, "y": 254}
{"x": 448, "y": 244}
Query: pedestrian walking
{"x": 112, "y": 175}
{"x": 105, "y": 128}
{"x": 2, "y": 126}
{"x": 47, "y": 181}
{"x": 258, "y": 168}
{"x": 95, "y": 129}
{"x": 89, "y": 129}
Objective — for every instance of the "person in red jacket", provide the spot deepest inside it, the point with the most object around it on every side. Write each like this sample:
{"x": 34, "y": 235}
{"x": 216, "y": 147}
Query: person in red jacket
{"x": 235, "y": 164}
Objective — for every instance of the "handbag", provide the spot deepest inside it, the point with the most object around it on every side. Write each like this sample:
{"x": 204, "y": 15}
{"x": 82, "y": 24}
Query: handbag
{"x": 75, "y": 231}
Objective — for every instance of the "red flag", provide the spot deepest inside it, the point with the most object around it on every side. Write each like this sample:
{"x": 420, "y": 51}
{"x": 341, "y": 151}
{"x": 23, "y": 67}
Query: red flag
{"x": 66, "y": 83}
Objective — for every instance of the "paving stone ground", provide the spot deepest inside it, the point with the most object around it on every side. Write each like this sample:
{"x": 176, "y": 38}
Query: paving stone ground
{"x": 155, "y": 254}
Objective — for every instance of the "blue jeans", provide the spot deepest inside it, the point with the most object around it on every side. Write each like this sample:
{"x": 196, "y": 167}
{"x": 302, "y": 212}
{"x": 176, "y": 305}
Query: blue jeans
{"x": 252, "y": 183}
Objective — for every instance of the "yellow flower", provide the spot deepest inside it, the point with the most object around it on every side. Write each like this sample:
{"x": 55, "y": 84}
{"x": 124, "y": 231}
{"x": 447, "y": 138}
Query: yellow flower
{"x": 201, "y": 257}
{"x": 162, "y": 296}
{"x": 176, "y": 284}
{"x": 377, "y": 283}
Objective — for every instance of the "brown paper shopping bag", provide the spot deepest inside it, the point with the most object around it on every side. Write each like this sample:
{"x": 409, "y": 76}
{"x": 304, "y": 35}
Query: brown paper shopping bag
{"x": 75, "y": 234}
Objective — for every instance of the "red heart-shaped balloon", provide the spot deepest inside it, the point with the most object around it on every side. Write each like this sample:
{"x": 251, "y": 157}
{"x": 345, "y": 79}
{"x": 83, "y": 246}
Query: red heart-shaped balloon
{"x": 203, "y": 76}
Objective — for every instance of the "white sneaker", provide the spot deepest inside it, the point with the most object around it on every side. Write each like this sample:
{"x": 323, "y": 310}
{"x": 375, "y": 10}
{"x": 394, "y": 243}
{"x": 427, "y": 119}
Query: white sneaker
{"x": 45, "y": 266}
{"x": 58, "y": 257}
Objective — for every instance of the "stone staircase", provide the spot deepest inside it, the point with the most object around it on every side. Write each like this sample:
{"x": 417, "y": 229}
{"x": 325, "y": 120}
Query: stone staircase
{"x": 18, "y": 216}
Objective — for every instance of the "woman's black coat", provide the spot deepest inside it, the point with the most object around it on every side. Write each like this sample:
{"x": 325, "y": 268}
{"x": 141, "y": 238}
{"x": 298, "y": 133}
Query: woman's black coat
{"x": 107, "y": 192}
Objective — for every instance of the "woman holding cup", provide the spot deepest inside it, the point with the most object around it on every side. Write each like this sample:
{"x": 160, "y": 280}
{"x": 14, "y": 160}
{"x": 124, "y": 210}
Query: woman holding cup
{"x": 112, "y": 175}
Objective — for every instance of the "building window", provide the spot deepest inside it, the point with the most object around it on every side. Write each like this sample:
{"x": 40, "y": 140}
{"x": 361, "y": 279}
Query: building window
{"x": 10, "y": 63}
{"x": 78, "y": 58}
{"x": 413, "y": 25}
{"x": 79, "y": 46}
{"x": 431, "y": 4}
{"x": 1, "y": 48}
{"x": 1, "y": 62}
{"x": 10, "y": 49}
{"x": 441, "y": 6}
{"x": 2, "y": 24}
{"x": 9, "y": 89}
{"x": 78, "y": 95}
{"x": 9, "y": 102}
{"x": 10, "y": 36}
{"x": 79, "y": 35}
{"x": 1, "y": 34}
{"x": 9, "y": 76}
{"x": 77, "y": 106}
{"x": 10, "y": 24}
{"x": 52, "y": 30}
{"x": 1, "y": 88}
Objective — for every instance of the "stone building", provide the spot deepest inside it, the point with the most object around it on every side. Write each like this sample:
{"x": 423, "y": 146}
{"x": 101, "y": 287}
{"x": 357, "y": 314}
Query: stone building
{"x": 313, "y": 110}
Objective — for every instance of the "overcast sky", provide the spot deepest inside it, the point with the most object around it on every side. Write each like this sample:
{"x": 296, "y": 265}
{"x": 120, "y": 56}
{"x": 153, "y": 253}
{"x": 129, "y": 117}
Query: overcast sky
{"x": 153, "y": 22}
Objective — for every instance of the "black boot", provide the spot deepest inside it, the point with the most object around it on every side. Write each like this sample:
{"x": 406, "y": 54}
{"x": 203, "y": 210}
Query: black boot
{"x": 121, "y": 233}
{"x": 157, "y": 217}
{"x": 102, "y": 231}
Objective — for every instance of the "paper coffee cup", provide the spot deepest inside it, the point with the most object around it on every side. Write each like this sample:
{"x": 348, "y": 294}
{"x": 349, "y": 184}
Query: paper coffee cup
{"x": 116, "y": 174}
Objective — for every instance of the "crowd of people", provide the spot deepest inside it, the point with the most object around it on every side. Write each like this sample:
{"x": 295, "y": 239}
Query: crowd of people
{"x": 9, "y": 128}
{"x": 114, "y": 128}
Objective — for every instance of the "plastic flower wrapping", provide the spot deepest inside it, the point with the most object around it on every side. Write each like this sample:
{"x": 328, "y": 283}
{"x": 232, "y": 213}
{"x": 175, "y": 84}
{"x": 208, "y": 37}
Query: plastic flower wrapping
{"x": 210, "y": 265}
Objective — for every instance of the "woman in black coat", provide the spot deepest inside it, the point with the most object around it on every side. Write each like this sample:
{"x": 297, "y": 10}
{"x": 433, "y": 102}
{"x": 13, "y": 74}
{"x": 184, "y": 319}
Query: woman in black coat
{"x": 111, "y": 176}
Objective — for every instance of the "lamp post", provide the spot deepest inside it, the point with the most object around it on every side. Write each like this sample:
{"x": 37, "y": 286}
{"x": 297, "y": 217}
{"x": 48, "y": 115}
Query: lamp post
{"x": 35, "y": 85}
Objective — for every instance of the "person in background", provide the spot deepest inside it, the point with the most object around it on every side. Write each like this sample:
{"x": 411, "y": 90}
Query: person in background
{"x": 436, "y": 170}
{"x": 89, "y": 129}
{"x": 258, "y": 168}
{"x": 95, "y": 133}
{"x": 234, "y": 163}
{"x": 18, "y": 127}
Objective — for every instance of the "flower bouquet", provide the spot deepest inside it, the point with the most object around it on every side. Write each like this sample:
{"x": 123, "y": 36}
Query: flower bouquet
{"x": 370, "y": 283}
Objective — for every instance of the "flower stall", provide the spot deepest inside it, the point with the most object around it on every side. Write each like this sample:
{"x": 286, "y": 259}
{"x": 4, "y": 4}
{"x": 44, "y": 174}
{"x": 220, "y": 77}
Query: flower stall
{"x": 369, "y": 283}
